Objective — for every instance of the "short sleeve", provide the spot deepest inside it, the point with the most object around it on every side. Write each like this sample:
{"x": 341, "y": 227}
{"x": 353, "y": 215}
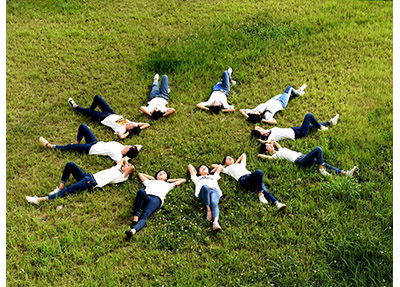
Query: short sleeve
{"x": 194, "y": 178}
{"x": 217, "y": 176}
{"x": 146, "y": 182}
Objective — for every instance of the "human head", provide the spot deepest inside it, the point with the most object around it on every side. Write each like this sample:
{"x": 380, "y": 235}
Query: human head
{"x": 133, "y": 129}
{"x": 157, "y": 114}
{"x": 254, "y": 117}
{"x": 266, "y": 147}
{"x": 215, "y": 107}
{"x": 130, "y": 167}
{"x": 131, "y": 152}
{"x": 161, "y": 175}
{"x": 203, "y": 170}
{"x": 228, "y": 161}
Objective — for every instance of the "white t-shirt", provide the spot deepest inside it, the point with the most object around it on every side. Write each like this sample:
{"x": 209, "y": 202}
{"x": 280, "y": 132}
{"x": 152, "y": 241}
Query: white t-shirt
{"x": 159, "y": 188}
{"x": 106, "y": 176}
{"x": 273, "y": 106}
{"x": 236, "y": 170}
{"x": 278, "y": 134}
{"x": 117, "y": 123}
{"x": 219, "y": 97}
{"x": 210, "y": 179}
{"x": 157, "y": 102}
{"x": 285, "y": 153}
{"x": 111, "y": 149}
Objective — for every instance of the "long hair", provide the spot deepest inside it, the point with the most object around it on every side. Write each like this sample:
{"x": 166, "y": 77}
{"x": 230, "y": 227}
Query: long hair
{"x": 155, "y": 176}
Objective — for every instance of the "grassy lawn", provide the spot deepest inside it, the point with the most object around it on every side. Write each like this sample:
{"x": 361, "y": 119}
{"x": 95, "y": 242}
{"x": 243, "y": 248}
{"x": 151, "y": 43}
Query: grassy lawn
{"x": 337, "y": 231}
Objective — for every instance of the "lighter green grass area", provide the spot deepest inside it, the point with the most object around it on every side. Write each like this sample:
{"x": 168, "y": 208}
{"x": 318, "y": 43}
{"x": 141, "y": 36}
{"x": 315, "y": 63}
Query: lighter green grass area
{"x": 337, "y": 231}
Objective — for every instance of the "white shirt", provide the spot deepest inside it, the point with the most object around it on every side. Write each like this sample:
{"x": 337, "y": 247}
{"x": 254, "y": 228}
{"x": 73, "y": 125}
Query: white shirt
{"x": 159, "y": 188}
{"x": 111, "y": 149}
{"x": 273, "y": 106}
{"x": 219, "y": 97}
{"x": 236, "y": 170}
{"x": 106, "y": 176}
{"x": 278, "y": 134}
{"x": 210, "y": 179}
{"x": 285, "y": 153}
{"x": 117, "y": 123}
{"x": 157, "y": 102}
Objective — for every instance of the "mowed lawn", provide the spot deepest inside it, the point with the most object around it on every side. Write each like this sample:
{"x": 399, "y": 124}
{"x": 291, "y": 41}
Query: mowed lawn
{"x": 337, "y": 231}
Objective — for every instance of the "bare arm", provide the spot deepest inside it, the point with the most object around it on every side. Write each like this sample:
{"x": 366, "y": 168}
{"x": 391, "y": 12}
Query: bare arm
{"x": 144, "y": 177}
{"x": 243, "y": 112}
{"x": 122, "y": 135}
{"x": 217, "y": 169}
{"x": 265, "y": 156}
{"x": 138, "y": 146}
{"x": 278, "y": 146}
{"x": 242, "y": 158}
{"x": 202, "y": 107}
{"x": 144, "y": 110}
{"x": 177, "y": 181}
{"x": 232, "y": 109}
{"x": 192, "y": 170}
{"x": 123, "y": 161}
{"x": 143, "y": 125}
{"x": 169, "y": 111}
{"x": 271, "y": 122}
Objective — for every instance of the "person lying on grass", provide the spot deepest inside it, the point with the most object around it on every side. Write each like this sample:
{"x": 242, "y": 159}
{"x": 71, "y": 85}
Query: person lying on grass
{"x": 207, "y": 188}
{"x": 293, "y": 133}
{"x": 158, "y": 100}
{"x": 304, "y": 160}
{"x": 250, "y": 181}
{"x": 265, "y": 112}
{"x": 114, "y": 150}
{"x": 218, "y": 100}
{"x": 122, "y": 127}
{"x": 84, "y": 180}
{"x": 151, "y": 199}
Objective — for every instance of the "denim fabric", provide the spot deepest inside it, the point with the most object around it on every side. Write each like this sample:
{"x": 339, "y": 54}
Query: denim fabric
{"x": 254, "y": 181}
{"x": 98, "y": 101}
{"x": 210, "y": 197}
{"x": 163, "y": 91}
{"x": 83, "y": 179}
{"x": 315, "y": 156}
{"x": 83, "y": 132}
{"x": 150, "y": 204}
{"x": 309, "y": 122}
{"x": 285, "y": 97}
{"x": 224, "y": 84}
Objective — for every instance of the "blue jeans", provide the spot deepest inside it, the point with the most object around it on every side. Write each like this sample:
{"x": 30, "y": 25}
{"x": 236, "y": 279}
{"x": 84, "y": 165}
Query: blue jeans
{"x": 224, "y": 84}
{"x": 309, "y": 122}
{"x": 84, "y": 180}
{"x": 98, "y": 101}
{"x": 254, "y": 181}
{"x": 315, "y": 156}
{"x": 285, "y": 97}
{"x": 150, "y": 204}
{"x": 162, "y": 92}
{"x": 83, "y": 132}
{"x": 210, "y": 197}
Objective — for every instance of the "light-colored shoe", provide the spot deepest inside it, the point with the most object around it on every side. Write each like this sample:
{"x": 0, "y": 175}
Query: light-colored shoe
{"x": 301, "y": 89}
{"x": 263, "y": 199}
{"x": 230, "y": 72}
{"x": 32, "y": 199}
{"x": 324, "y": 172}
{"x": 233, "y": 82}
{"x": 169, "y": 90}
{"x": 209, "y": 215}
{"x": 43, "y": 141}
{"x": 156, "y": 77}
{"x": 323, "y": 128}
{"x": 54, "y": 191}
{"x": 72, "y": 103}
{"x": 280, "y": 206}
{"x": 334, "y": 120}
{"x": 216, "y": 226}
{"x": 351, "y": 172}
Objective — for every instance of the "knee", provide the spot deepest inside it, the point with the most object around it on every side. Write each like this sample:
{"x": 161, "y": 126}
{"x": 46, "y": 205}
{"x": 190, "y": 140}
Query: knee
{"x": 319, "y": 150}
{"x": 164, "y": 78}
{"x": 70, "y": 164}
{"x": 141, "y": 192}
{"x": 83, "y": 127}
{"x": 259, "y": 173}
{"x": 97, "y": 97}
{"x": 309, "y": 115}
{"x": 213, "y": 204}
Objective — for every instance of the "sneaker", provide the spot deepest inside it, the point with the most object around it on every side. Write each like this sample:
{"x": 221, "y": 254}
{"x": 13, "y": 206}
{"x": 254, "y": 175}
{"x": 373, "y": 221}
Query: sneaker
{"x": 133, "y": 224}
{"x": 54, "y": 191}
{"x": 230, "y": 72}
{"x": 156, "y": 77}
{"x": 351, "y": 172}
{"x": 233, "y": 82}
{"x": 334, "y": 120}
{"x": 301, "y": 89}
{"x": 280, "y": 206}
{"x": 209, "y": 215}
{"x": 169, "y": 90}
{"x": 43, "y": 141}
{"x": 32, "y": 199}
{"x": 324, "y": 172}
{"x": 129, "y": 234}
{"x": 216, "y": 226}
{"x": 263, "y": 199}
{"x": 323, "y": 128}
{"x": 72, "y": 102}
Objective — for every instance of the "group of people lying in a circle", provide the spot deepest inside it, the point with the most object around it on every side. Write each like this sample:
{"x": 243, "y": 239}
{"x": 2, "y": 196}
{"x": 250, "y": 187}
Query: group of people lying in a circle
{"x": 151, "y": 198}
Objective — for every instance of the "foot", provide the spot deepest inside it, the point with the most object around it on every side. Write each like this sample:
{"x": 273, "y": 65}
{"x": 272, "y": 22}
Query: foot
{"x": 233, "y": 82}
{"x": 263, "y": 199}
{"x": 32, "y": 199}
{"x": 72, "y": 103}
{"x": 156, "y": 77}
{"x": 323, "y": 128}
{"x": 334, "y": 120}
{"x": 230, "y": 72}
{"x": 169, "y": 90}
{"x": 209, "y": 215}
{"x": 216, "y": 226}
{"x": 351, "y": 172}
{"x": 324, "y": 172}
{"x": 301, "y": 89}
{"x": 54, "y": 191}
{"x": 44, "y": 142}
{"x": 130, "y": 233}
{"x": 280, "y": 206}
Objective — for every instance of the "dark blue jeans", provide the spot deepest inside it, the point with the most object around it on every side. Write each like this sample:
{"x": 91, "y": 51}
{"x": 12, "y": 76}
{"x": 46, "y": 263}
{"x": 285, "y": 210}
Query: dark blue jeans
{"x": 224, "y": 84}
{"x": 210, "y": 197}
{"x": 254, "y": 181}
{"x": 150, "y": 204}
{"x": 83, "y": 179}
{"x": 83, "y": 132}
{"x": 98, "y": 101}
{"x": 315, "y": 156}
{"x": 160, "y": 92}
{"x": 309, "y": 122}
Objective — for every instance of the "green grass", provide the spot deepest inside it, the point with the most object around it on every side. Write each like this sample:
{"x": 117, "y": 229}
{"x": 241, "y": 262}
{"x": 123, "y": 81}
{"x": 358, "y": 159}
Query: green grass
{"x": 337, "y": 231}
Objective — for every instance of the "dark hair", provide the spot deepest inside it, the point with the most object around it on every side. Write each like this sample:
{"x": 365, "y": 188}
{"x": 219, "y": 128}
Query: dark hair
{"x": 254, "y": 118}
{"x": 263, "y": 147}
{"x": 132, "y": 152}
{"x": 134, "y": 167}
{"x": 215, "y": 109}
{"x": 134, "y": 131}
{"x": 223, "y": 161}
{"x": 155, "y": 176}
{"x": 157, "y": 115}
{"x": 198, "y": 169}
{"x": 257, "y": 134}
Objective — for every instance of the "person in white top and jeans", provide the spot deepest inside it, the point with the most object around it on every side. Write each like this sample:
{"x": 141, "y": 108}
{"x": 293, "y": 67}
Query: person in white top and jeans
{"x": 84, "y": 180}
{"x": 151, "y": 199}
{"x": 207, "y": 188}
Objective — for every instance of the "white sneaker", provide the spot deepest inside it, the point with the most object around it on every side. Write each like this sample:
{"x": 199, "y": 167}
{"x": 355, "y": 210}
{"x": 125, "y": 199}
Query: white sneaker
{"x": 169, "y": 90}
{"x": 233, "y": 82}
{"x": 230, "y": 72}
{"x": 54, "y": 191}
{"x": 72, "y": 102}
{"x": 351, "y": 172}
{"x": 32, "y": 199}
{"x": 280, "y": 206}
{"x": 156, "y": 77}
{"x": 43, "y": 141}
{"x": 324, "y": 172}
{"x": 323, "y": 128}
{"x": 301, "y": 89}
{"x": 334, "y": 120}
{"x": 263, "y": 199}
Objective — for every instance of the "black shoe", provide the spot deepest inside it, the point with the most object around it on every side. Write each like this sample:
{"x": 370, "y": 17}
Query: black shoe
{"x": 133, "y": 224}
{"x": 128, "y": 234}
